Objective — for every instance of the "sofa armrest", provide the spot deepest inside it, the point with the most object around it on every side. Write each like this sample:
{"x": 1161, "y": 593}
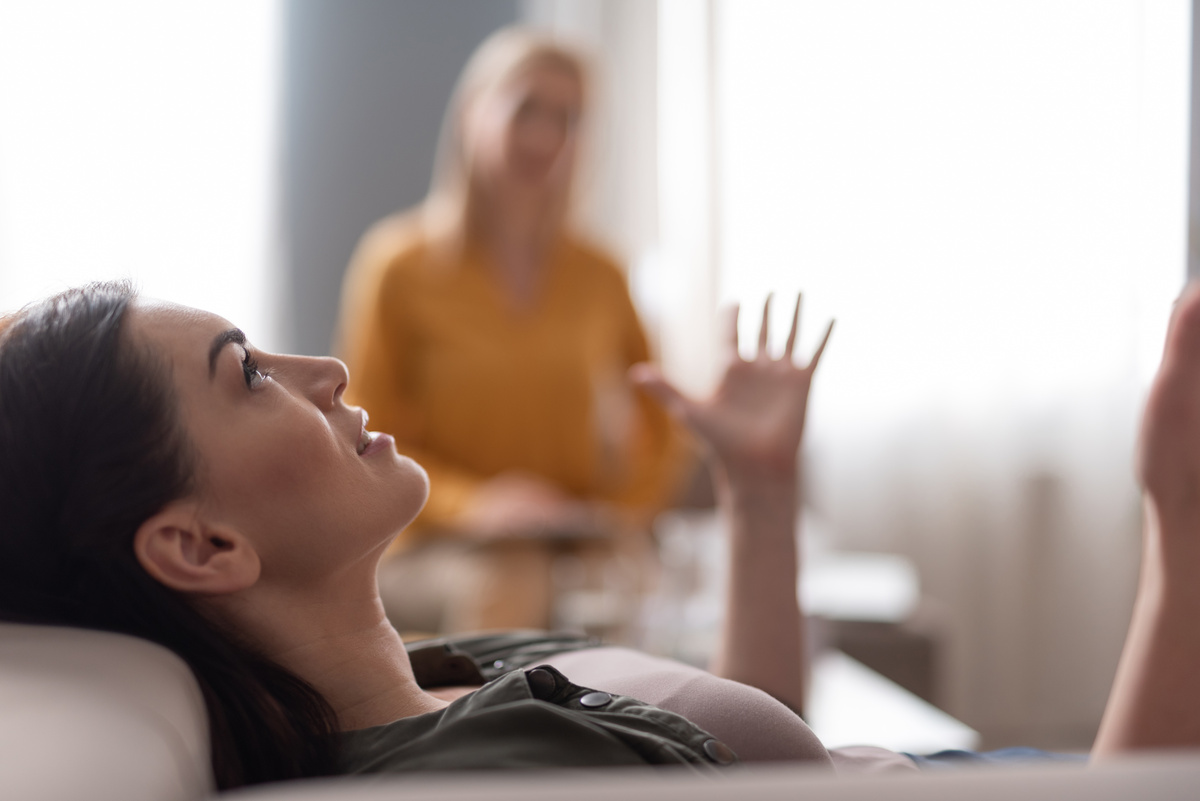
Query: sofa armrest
{"x": 87, "y": 714}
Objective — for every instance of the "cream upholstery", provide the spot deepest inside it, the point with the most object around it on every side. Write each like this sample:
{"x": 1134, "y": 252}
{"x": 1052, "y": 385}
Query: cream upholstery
{"x": 91, "y": 715}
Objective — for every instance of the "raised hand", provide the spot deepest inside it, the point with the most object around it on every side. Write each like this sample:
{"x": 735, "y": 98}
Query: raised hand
{"x": 754, "y": 420}
{"x": 752, "y": 426}
{"x": 1169, "y": 446}
{"x": 1154, "y": 703}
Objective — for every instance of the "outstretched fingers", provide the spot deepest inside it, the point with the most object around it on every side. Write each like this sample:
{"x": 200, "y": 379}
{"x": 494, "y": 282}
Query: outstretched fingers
{"x": 1183, "y": 330}
{"x": 816, "y": 357}
{"x": 791, "y": 340}
{"x": 764, "y": 328}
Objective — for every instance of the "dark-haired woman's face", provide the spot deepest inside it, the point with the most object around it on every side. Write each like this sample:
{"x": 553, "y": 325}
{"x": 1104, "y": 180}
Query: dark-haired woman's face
{"x": 282, "y": 458}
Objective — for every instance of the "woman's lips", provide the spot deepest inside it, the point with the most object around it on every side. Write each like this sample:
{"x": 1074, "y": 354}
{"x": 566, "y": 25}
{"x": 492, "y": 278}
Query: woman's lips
{"x": 377, "y": 442}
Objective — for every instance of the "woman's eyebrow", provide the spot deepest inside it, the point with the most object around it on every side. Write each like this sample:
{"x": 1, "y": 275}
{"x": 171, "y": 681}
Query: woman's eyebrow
{"x": 222, "y": 339}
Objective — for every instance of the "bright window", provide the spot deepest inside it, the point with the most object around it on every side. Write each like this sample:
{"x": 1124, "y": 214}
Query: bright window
{"x": 138, "y": 140}
{"x": 990, "y": 196}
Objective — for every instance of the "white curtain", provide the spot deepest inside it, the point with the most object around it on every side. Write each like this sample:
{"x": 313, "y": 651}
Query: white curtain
{"x": 138, "y": 140}
{"x": 990, "y": 197}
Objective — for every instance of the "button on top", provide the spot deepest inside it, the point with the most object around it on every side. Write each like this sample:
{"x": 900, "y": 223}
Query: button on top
{"x": 498, "y": 664}
{"x": 595, "y": 700}
{"x": 718, "y": 752}
{"x": 542, "y": 684}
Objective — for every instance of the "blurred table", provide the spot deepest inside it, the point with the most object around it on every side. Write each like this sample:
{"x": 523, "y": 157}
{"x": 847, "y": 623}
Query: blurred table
{"x": 850, "y": 704}
{"x": 867, "y": 606}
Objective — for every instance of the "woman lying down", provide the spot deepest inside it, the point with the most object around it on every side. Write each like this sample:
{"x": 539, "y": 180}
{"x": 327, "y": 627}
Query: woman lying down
{"x": 160, "y": 476}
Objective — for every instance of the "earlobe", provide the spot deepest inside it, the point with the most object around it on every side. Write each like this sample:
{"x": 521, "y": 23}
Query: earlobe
{"x": 179, "y": 549}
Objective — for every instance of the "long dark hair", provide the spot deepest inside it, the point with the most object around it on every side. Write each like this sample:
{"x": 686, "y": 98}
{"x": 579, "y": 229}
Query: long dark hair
{"x": 90, "y": 447}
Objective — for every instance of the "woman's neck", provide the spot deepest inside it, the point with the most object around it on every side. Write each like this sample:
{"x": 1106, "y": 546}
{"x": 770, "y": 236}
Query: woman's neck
{"x": 517, "y": 237}
{"x": 343, "y": 645}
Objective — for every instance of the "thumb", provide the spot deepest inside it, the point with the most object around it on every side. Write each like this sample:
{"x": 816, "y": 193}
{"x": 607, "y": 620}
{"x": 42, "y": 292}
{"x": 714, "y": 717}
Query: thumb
{"x": 649, "y": 378}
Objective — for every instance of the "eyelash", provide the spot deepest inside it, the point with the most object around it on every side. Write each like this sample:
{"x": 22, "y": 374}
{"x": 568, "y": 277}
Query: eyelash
{"x": 254, "y": 376}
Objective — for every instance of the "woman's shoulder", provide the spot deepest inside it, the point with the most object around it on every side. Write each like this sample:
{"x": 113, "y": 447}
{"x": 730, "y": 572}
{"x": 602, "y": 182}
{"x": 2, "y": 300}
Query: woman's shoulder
{"x": 396, "y": 244}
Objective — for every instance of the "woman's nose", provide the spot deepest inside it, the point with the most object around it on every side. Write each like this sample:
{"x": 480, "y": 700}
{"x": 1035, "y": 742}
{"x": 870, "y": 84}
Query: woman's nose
{"x": 547, "y": 136}
{"x": 328, "y": 380}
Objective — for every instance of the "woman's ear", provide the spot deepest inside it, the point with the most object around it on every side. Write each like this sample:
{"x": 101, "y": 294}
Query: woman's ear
{"x": 179, "y": 549}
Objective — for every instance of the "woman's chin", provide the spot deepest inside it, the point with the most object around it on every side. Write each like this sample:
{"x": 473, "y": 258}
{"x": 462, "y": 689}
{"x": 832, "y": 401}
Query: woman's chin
{"x": 415, "y": 495}
{"x": 424, "y": 476}
{"x": 408, "y": 492}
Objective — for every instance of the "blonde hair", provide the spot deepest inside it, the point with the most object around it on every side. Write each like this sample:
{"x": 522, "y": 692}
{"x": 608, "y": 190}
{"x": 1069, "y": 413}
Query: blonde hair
{"x": 447, "y": 212}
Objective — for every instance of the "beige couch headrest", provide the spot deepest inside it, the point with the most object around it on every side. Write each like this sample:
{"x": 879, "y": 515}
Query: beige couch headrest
{"x": 86, "y": 714}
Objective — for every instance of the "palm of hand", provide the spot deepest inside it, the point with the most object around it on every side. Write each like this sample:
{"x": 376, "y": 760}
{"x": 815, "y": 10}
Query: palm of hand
{"x": 755, "y": 418}
{"x": 757, "y": 413}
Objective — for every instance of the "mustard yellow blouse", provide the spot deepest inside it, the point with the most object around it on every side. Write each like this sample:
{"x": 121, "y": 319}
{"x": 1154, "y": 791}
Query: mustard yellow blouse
{"x": 471, "y": 386}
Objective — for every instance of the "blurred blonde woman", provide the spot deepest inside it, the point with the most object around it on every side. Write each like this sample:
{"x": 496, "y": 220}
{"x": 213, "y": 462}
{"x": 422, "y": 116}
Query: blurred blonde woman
{"x": 494, "y": 341}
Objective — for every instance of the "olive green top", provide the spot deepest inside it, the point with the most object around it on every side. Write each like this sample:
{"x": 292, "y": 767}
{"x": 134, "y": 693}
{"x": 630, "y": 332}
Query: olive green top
{"x": 525, "y": 719}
